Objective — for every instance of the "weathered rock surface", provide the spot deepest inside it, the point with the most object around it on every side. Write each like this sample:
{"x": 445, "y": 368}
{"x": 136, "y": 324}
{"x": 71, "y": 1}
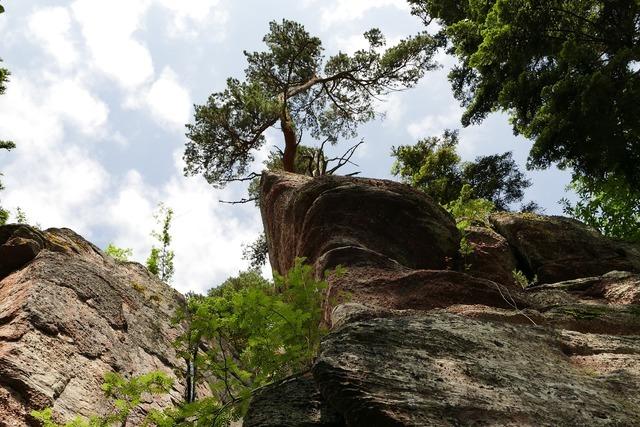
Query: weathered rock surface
{"x": 440, "y": 369}
{"x": 556, "y": 248}
{"x": 368, "y": 218}
{"x": 68, "y": 315}
{"x": 491, "y": 258}
{"x": 295, "y": 402}
{"x": 419, "y": 343}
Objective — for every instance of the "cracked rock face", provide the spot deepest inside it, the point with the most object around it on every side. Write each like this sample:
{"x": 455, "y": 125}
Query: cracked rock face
{"x": 439, "y": 369}
{"x": 429, "y": 339}
{"x": 68, "y": 315}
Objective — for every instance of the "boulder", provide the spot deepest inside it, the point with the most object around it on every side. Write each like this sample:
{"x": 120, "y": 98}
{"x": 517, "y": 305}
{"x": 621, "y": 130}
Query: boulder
{"x": 440, "y": 369}
{"x": 294, "y": 402}
{"x": 491, "y": 258}
{"x": 311, "y": 217}
{"x": 420, "y": 289}
{"x": 418, "y": 339}
{"x": 555, "y": 248}
{"x": 68, "y": 315}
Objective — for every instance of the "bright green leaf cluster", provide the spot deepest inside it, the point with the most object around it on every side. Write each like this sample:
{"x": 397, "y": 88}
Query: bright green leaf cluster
{"x": 126, "y": 396}
{"x": 117, "y": 253}
{"x": 609, "y": 205}
{"x": 255, "y": 332}
{"x": 434, "y": 166}
{"x": 469, "y": 211}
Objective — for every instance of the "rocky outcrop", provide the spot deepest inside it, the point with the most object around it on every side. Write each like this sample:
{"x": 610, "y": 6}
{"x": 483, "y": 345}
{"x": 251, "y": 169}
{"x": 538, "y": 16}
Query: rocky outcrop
{"x": 439, "y": 369}
{"x": 68, "y": 315}
{"x": 421, "y": 336}
{"x": 556, "y": 248}
{"x": 355, "y": 220}
{"x": 294, "y": 402}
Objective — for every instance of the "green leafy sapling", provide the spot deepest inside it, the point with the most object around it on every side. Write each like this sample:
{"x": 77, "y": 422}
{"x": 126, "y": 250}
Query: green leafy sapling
{"x": 256, "y": 332}
{"x": 21, "y": 216}
{"x": 160, "y": 260}
{"x": 468, "y": 211}
{"x": 520, "y": 279}
{"x": 127, "y": 395}
{"x": 118, "y": 253}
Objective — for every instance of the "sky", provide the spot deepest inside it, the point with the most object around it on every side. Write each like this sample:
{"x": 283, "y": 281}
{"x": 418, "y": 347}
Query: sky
{"x": 100, "y": 93}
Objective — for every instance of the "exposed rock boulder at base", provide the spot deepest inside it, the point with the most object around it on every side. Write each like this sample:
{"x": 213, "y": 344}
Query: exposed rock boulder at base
{"x": 423, "y": 337}
{"x": 68, "y": 315}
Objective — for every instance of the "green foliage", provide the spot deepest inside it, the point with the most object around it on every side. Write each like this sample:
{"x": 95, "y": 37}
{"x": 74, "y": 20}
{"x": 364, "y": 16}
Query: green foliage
{"x": 45, "y": 417}
{"x": 242, "y": 336}
{"x": 160, "y": 260}
{"x": 566, "y": 71}
{"x": 4, "y": 216}
{"x": 609, "y": 205}
{"x": 126, "y": 396}
{"x": 434, "y": 166}
{"x": 257, "y": 253}
{"x": 21, "y": 216}
{"x": 522, "y": 280}
{"x": 256, "y": 332}
{"x": 292, "y": 87}
{"x": 469, "y": 211}
{"x": 117, "y": 253}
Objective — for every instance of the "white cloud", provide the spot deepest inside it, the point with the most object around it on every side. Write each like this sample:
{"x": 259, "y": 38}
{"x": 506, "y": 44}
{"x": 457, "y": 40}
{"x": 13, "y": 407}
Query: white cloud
{"x": 207, "y": 235}
{"x": 434, "y": 124}
{"x": 168, "y": 101}
{"x": 51, "y": 29}
{"x": 55, "y": 186}
{"x": 352, "y": 43}
{"x": 393, "y": 108}
{"x": 25, "y": 119}
{"x": 341, "y": 11}
{"x": 191, "y": 16}
{"x": 77, "y": 105}
{"x": 55, "y": 183}
{"x": 108, "y": 29}
{"x": 130, "y": 212}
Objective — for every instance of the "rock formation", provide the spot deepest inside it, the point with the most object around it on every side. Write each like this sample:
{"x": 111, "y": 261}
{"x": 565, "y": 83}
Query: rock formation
{"x": 68, "y": 315}
{"x": 419, "y": 336}
{"x": 422, "y": 341}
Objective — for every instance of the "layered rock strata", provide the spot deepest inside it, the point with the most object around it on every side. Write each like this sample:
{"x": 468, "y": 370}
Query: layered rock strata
{"x": 68, "y": 315}
{"x": 428, "y": 338}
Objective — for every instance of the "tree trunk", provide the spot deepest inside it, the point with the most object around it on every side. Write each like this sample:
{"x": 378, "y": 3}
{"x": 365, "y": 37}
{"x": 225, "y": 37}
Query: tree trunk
{"x": 290, "y": 143}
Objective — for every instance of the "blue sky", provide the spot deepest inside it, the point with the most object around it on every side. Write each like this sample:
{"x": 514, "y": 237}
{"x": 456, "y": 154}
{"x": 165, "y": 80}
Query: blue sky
{"x": 100, "y": 92}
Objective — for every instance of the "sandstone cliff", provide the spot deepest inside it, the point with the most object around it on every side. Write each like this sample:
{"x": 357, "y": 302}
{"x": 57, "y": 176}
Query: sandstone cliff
{"x": 68, "y": 315}
{"x": 424, "y": 342}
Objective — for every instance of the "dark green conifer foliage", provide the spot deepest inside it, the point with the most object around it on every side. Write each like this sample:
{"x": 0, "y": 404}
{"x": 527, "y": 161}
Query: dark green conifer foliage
{"x": 292, "y": 87}
{"x": 567, "y": 71}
